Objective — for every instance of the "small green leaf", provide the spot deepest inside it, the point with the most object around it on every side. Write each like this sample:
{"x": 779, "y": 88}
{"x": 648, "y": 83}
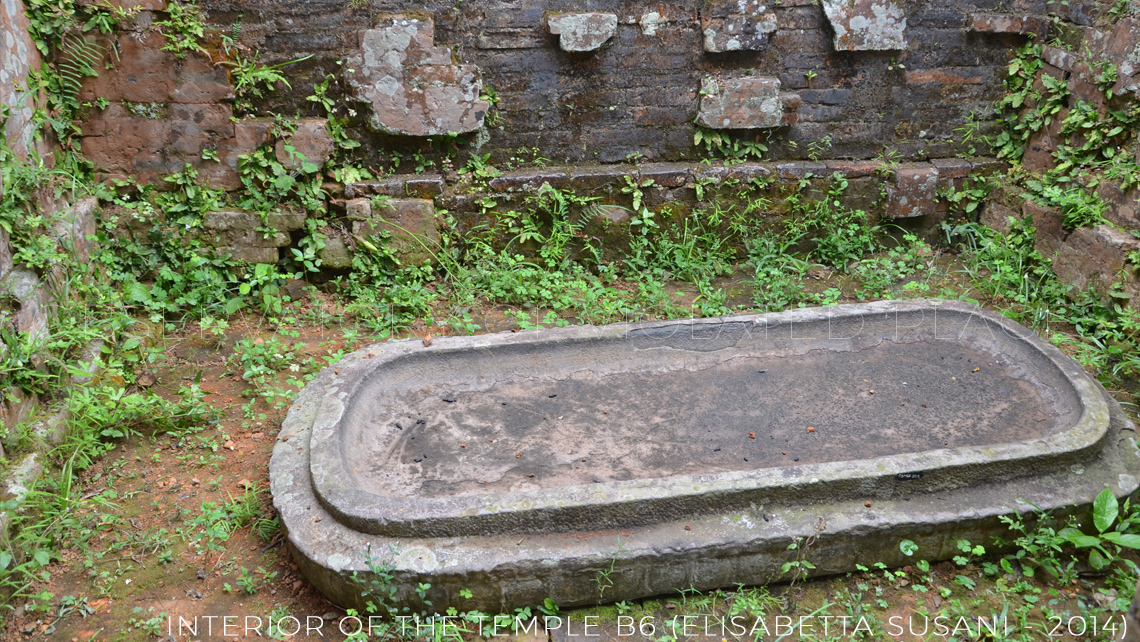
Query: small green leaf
{"x": 1105, "y": 510}
{"x": 908, "y": 547}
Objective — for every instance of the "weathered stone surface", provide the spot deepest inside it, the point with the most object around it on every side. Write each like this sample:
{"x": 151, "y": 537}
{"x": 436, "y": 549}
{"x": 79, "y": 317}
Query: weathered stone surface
{"x": 231, "y": 220}
{"x": 1121, "y": 46}
{"x": 144, "y": 73}
{"x": 866, "y": 25}
{"x": 122, "y": 144}
{"x": 1008, "y": 23}
{"x": 736, "y": 25}
{"x": 997, "y": 215}
{"x": 1043, "y": 143}
{"x": 1123, "y": 206}
{"x": 913, "y": 192}
{"x": 711, "y": 515}
{"x": 16, "y": 406}
{"x": 75, "y": 228}
{"x": 1096, "y": 257}
{"x": 358, "y": 209}
{"x": 413, "y": 87}
{"x": 22, "y": 478}
{"x": 287, "y": 220}
{"x": 1059, "y": 58}
{"x": 30, "y": 316}
{"x": 249, "y": 254}
{"x": 421, "y": 185}
{"x": 336, "y": 254}
{"x": 1050, "y": 232}
{"x": 311, "y": 141}
{"x": 613, "y": 214}
{"x": 5, "y": 254}
{"x": 741, "y": 103}
{"x": 581, "y": 32}
{"x": 18, "y": 56}
{"x": 240, "y": 229}
{"x": 410, "y": 224}
{"x": 130, "y": 5}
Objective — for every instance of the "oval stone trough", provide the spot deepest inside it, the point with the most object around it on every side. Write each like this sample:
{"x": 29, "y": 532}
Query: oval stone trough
{"x": 680, "y": 454}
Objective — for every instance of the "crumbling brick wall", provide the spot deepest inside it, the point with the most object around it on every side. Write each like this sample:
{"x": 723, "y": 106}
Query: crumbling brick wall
{"x": 639, "y": 92}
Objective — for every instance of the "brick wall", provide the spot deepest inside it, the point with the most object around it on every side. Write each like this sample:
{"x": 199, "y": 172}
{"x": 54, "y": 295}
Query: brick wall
{"x": 639, "y": 93}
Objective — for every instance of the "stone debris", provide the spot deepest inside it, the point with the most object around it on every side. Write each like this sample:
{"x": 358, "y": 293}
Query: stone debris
{"x": 580, "y": 32}
{"x": 414, "y": 87}
{"x": 741, "y": 103}
{"x": 866, "y": 25}
{"x": 736, "y": 25}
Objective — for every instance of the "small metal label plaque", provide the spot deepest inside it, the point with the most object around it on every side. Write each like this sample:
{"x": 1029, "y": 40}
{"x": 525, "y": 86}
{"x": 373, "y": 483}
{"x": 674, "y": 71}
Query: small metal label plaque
{"x": 908, "y": 476}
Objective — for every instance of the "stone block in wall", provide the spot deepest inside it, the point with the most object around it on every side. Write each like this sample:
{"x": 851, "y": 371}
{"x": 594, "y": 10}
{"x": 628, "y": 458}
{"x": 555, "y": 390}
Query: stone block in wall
{"x": 120, "y": 143}
{"x": 75, "y": 228}
{"x": 249, "y": 254}
{"x": 358, "y": 209}
{"x": 665, "y": 174}
{"x": 16, "y": 407}
{"x": 421, "y": 185}
{"x": 1050, "y": 233}
{"x": 1121, "y": 45}
{"x": 287, "y": 220}
{"x": 950, "y": 169}
{"x": 252, "y": 133}
{"x": 1059, "y": 58}
{"x": 1123, "y": 206}
{"x": 1007, "y": 23}
{"x": 237, "y": 228}
{"x": 736, "y": 25}
{"x": 412, "y": 85}
{"x": 582, "y": 32}
{"x": 144, "y": 73}
{"x": 996, "y": 215}
{"x": 741, "y": 103}
{"x": 311, "y": 140}
{"x": 5, "y": 254}
{"x": 1041, "y": 145}
{"x": 29, "y": 302}
{"x": 410, "y": 224}
{"x": 866, "y": 25}
{"x": 529, "y": 180}
{"x": 1094, "y": 257}
{"x": 913, "y": 192}
{"x": 18, "y": 57}
{"x": 336, "y": 254}
{"x": 130, "y": 5}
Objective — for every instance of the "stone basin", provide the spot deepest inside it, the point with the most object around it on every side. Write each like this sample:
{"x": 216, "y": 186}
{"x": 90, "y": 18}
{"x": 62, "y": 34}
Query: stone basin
{"x": 510, "y": 464}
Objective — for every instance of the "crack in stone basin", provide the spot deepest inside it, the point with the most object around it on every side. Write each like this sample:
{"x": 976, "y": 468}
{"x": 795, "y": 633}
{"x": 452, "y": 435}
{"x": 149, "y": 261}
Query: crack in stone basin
{"x": 443, "y": 441}
{"x": 742, "y": 413}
